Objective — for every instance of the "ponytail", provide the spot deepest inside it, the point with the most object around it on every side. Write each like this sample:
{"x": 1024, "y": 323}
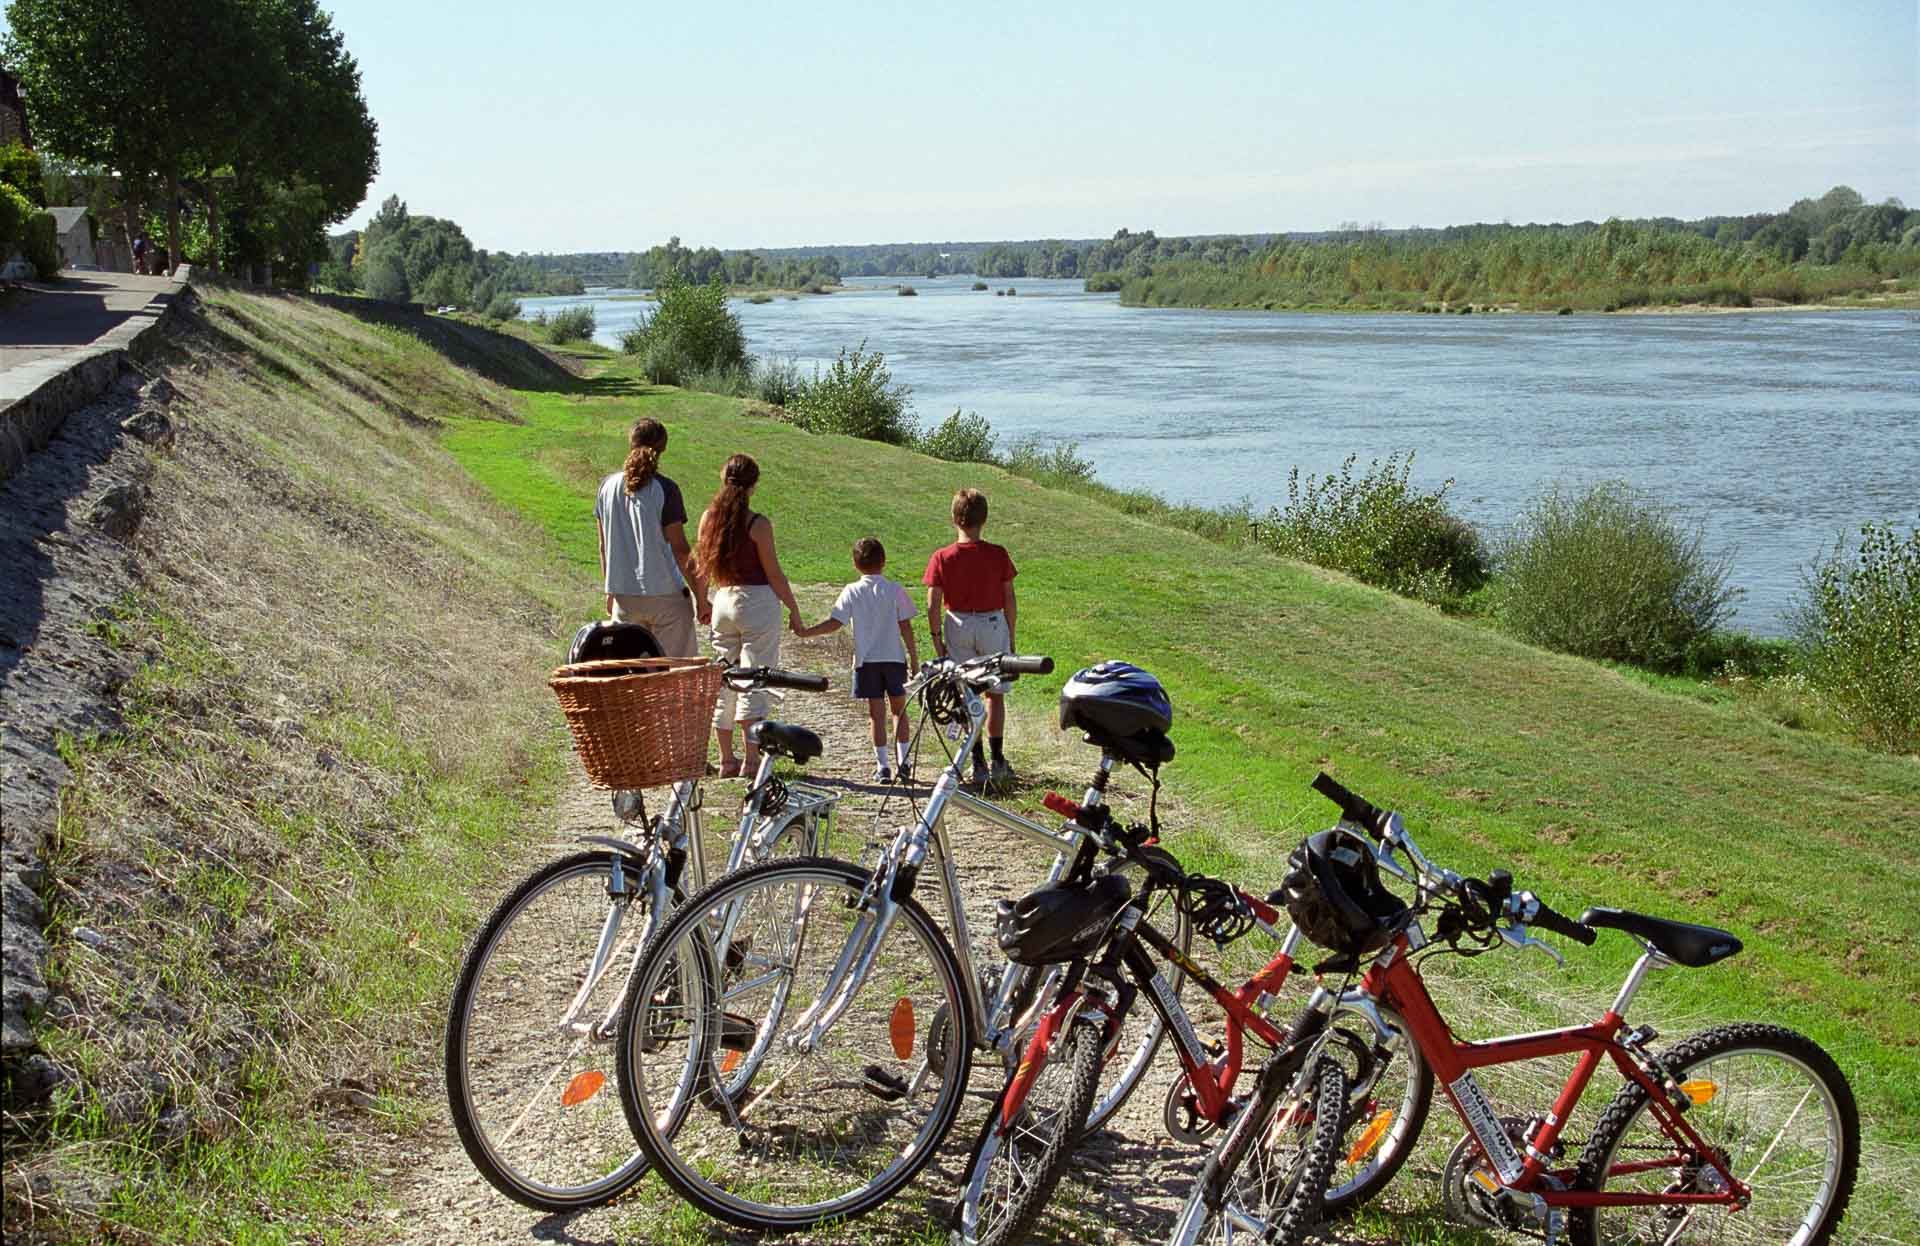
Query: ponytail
{"x": 646, "y": 443}
{"x": 724, "y": 531}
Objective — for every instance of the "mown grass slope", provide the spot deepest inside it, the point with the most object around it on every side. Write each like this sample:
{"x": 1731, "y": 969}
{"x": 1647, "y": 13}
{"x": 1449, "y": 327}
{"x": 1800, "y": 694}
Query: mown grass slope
{"x": 1590, "y": 786}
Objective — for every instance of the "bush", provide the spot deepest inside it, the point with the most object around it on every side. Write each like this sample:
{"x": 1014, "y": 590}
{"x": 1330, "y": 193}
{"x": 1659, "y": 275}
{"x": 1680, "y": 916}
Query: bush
{"x": 760, "y": 298}
{"x": 571, "y": 324}
{"x": 502, "y": 307}
{"x": 15, "y": 210}
{"x": 856, "y": 396}
{"x": 41, "y": 246}
{"x": 1859, "y": 627}
{"x": 385, "y": 277}
{"x": 960, "y": 438}
{"x": 1603, "y": 572}
{"x": 777, "y": 382}
{"x": 981, "y": 285}
{"x": 908, "y": 291}
{"x": 1057, "y": 464}
{"x": 1380, "y": 530}
{"x": 692, "y": 330}
{"x": 1105, "y": 283}
{"x": 20, "y": 169}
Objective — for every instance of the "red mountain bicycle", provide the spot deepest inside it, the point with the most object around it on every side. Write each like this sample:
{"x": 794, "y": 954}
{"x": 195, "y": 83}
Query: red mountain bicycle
{"x": 1745, "y": 1133}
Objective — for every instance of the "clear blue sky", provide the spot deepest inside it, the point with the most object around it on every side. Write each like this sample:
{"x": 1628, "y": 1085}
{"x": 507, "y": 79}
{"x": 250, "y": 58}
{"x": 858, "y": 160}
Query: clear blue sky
{"x": 594, "y": 126}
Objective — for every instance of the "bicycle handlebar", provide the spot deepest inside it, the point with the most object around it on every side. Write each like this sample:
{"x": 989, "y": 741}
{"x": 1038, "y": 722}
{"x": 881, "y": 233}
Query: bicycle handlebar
{"x": 1033, "y": 664}
{"x": 1547, "y": 919}
{"x": 774, "y": 677}
{"x": 1353, "y": 808}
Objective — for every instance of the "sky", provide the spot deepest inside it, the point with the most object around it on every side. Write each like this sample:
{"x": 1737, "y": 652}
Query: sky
{"x": 575, "y": 125}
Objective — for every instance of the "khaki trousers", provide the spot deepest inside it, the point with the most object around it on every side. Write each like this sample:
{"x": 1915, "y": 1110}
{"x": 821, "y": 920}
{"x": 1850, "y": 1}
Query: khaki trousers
{"x": 668, "y": 616}
{"x": 746, "y": 632}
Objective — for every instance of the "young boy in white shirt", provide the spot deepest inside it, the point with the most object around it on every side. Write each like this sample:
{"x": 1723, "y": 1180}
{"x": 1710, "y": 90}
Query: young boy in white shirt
{"x": 884, "y": 650}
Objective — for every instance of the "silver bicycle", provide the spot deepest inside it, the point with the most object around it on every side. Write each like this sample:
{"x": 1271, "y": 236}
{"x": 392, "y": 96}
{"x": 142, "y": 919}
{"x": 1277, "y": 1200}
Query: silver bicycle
{"x": 530, "y": 1030}
{"x": 801, "y": 1033}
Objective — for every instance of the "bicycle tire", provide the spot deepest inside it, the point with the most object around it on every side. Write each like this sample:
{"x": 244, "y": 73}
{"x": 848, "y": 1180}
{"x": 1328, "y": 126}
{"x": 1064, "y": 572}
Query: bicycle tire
{"x": 1720, "y": 1047}
{"x": 1138, "y": 1050}
{"x": 1287, "y": 1205}
{"x": 498, "y": 980}
{"x": 1000, "y": 1199}
{"x": 1384, "y": 1155}
{"x": 659, "y": 1096}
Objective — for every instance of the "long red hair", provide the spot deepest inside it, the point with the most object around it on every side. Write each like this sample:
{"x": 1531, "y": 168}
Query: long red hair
{"x": 727, "y": 521}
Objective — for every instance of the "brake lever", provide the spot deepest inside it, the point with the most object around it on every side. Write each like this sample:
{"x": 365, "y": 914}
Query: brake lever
{"x": 1515, "y": 938}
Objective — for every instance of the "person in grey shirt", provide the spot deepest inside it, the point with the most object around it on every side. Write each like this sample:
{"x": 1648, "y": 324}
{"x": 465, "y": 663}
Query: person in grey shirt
{"x": 645, "y": 562}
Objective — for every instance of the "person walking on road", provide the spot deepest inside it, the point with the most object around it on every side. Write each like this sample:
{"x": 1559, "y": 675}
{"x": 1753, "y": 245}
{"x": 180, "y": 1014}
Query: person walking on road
{"x": 746, "y": 586}
{"x": 646, "y": 564}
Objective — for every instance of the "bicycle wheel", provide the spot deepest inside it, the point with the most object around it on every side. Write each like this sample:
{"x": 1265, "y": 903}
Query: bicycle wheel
{"x": 1016, "y": 1163}
{"x": 1782, "y": 1117}
{"x": 1274, "y": 1195}
{"x": 530, "y": 1054}
{"x": 1141, "y": 1032}
{"x": 1389, "y": 1092}
{"x": 734, "y": 1114}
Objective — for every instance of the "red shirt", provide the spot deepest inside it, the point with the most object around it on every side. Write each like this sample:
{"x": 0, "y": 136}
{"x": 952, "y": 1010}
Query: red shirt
{"x": 971, "y": 575}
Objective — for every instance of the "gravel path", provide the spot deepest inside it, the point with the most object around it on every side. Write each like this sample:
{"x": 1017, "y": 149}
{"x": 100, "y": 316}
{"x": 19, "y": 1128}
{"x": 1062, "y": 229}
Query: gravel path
{"x": 1127, "y": 1184}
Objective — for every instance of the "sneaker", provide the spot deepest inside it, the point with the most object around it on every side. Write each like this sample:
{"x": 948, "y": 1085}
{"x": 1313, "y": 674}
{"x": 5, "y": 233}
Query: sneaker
{"x": 1002, "y": 773}
{"x": 978, "y": 777}
{"x": 905, "y": 772}
{"x": 882, "y": 774}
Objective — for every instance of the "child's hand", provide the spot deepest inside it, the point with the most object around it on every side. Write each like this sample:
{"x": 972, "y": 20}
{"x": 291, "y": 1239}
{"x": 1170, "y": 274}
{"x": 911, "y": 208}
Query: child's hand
{"x": 799, "y": 628}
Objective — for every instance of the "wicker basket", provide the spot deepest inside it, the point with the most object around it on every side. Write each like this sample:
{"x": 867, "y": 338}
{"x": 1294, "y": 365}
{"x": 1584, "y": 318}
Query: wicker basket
{"x": 639, "y": 722}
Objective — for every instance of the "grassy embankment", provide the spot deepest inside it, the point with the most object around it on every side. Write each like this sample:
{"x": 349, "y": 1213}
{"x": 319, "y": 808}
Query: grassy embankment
{"x": 333, "y": 743}
{"x": 1590, "y": 785}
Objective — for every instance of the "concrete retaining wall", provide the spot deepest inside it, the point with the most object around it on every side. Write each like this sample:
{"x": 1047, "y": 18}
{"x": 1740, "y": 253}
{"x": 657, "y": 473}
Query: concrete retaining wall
{"x": 37, "y": 397}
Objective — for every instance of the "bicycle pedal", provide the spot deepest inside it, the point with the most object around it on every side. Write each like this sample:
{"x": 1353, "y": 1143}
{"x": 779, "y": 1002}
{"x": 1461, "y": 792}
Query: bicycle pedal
{"x": 882, "y": 1084}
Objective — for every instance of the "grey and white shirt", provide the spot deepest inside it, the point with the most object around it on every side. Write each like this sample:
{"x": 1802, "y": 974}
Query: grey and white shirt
{"x": 640, "y": 563}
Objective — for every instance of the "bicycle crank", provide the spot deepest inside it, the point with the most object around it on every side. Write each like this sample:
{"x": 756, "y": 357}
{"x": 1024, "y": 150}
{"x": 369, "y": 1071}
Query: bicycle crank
{"x": 1182, "y": 1114}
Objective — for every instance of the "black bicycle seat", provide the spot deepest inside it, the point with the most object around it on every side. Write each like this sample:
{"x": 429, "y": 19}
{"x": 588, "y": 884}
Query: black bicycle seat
{"x": 788, "y": 740}
{"x": 1680, "y": 942}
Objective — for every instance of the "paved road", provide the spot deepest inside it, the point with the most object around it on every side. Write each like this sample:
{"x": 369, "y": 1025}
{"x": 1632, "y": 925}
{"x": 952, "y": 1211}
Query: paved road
{"x": 46, "y": 319}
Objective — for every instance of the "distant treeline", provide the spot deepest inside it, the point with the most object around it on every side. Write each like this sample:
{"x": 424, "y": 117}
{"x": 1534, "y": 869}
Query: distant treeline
{"x": 1828, "y": 247}
{"x": 670, "y": 262}
{"x": 404, "y": 258}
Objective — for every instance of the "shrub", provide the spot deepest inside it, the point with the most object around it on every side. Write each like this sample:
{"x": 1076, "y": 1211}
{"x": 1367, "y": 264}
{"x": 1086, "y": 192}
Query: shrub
{"x": 20, "y": 169}
{"x": 733, "y": 380}
{"x": 41, "y": 245}
{"x": 385, "y": 277}
{"x": 1859, "y": 627}
{"x": 856, "y": 396}
{"x": 908, "y": 291}
{"x": 692, "y": 330}
{"x": 1380, "y": 530}
{"x": 15, "y": 209}
{"x": 503, "y": 307}
{"x": 760, "y": 298}
{"x": 1105, "y": 283}
{"x": 571, "y": 324}
{"x": 981, "y": 285}
{"x": 777, "y": 382}
{"x": 960, "y": 438}
{"x": 1604, "y": 572}
{"x": 1059, "y": 463}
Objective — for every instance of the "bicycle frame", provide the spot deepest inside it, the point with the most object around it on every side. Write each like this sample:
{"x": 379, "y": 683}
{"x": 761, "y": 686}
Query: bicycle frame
{"x": 1392, "y": 979}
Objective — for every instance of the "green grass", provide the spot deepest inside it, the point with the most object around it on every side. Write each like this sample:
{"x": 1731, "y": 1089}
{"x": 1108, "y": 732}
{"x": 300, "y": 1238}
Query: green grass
{"x": 1590, "y": 785}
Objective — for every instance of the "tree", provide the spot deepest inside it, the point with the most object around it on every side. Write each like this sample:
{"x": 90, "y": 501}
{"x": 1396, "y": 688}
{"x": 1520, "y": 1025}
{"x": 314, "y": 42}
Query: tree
{"x": 386, "y": 275}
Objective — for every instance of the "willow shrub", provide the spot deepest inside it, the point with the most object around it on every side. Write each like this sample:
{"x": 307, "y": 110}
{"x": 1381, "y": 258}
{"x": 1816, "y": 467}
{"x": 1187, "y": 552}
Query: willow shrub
{"x": 1858, "y": 624}
{"x": 691, "y": 332}
{"x": 856, "y": 396}
{"x": 571, "y": 324}
{"x": 1380, "y": 529}
{"x": 1605, "y": 572}
{"x": 963, "y": 437}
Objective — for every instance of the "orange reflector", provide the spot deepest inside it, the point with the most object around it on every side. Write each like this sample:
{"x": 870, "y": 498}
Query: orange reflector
{"x": 731, "y": 1061}
{"x": 1701, "y": 1091}
{"x": 900, "y": 1028}
{"x": 582, "y": 1087}
{"x": 1370, "y": 1136}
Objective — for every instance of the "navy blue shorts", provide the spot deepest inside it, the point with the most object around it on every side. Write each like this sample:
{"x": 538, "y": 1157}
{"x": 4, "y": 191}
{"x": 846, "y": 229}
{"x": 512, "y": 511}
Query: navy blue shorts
{"x": 879, "y": 679}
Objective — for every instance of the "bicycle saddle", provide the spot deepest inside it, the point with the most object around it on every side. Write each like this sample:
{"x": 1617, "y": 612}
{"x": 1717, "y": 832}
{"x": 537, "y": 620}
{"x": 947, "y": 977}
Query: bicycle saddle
{"x": 1681, "y": 942}
{"x": 788, "y": 740}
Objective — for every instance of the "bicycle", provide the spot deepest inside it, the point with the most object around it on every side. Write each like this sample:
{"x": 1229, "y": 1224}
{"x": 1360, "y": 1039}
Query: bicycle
{"x": 1679, "y": 1153}
{"x": 828, "y": 1059}
{"x": 1115, "y": 957}
{"x": 542, "y": 986}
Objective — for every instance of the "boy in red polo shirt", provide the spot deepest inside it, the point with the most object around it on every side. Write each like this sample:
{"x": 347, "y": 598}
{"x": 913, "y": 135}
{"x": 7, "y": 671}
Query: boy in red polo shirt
{"x": 970, "y": 615}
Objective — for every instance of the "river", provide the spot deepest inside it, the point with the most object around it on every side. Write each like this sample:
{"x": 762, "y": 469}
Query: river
{"x": 1778, "y": 432}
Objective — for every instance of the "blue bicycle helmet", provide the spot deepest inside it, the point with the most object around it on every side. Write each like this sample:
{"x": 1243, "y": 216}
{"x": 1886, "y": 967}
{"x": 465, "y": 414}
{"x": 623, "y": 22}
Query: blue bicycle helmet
{"x": 1122, "y": 709}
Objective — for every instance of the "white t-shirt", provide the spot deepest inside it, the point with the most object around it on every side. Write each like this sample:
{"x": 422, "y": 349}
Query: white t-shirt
{"x": 874, "y": 607}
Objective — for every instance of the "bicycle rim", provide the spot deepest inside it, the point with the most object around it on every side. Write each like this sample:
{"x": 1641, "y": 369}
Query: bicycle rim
{"x": 1017, "y": 1164}
{"x": 797, "y": 1137}
{"x": 530, "y": 1061}
{"x": 1387, "y": 1104}
{"x": 1785, "y": 1123}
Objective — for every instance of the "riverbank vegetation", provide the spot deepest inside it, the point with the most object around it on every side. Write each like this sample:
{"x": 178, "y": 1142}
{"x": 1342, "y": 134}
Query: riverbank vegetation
{"x": 402, "y": 257}
{"x": 1834, "y": 247}
{"x": 739, "y": 270}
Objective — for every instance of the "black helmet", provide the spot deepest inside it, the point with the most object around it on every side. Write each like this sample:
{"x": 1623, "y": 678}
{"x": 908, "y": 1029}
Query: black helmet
{"x": 1122, "y": 708}
{"x": 1334, "y": 895}
{"x": 1061, "y": 923}
{"x": 607, "y": 641}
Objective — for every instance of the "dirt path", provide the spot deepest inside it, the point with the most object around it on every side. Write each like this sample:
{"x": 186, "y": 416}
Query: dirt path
{"x": 1127, "y": 1184}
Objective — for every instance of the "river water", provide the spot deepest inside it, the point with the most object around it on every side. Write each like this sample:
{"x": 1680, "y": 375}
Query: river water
{"x": 1778, "y": 432}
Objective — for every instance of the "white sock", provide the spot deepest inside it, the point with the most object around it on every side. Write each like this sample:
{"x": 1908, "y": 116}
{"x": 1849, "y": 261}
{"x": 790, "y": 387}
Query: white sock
{"x": 902, "y": 746}
{"x": 880, "y": 754}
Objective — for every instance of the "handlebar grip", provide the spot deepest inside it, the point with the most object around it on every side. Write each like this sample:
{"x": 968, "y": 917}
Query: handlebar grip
{"x": 1561, "y": 924}
{"x": 1354, "y": 808}
{"x": 774, "y": 677}
{"x": 1032, "y": 665}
